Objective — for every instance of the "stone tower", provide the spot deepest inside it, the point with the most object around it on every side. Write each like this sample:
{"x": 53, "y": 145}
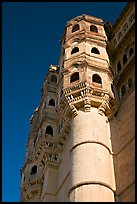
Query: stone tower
{"x": 87, "y": 88}
{"x": 70, "y": 146}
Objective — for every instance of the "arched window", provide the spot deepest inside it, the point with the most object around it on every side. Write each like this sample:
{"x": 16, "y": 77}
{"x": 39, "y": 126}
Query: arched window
{"x": 123, "y": 90}
{"x": 130, "y": 83}
{"x": 75, "y": 28}
{"x": 49, "y": 130}
{"x": 74, "y": 50}
{"x": 34, "y": 170}
{"x": 131, "y": 51}
{"x": 61, "y": 93}
{"x": 124, "y": 59}
{"x": 74, "y": 77}
{"x": 54, "y": 78}
{"x": 96, "y": 78}
{"x": 93, "y": 29}
{"x": 51, "y": 102}
{"x": 118, "y": 66}
{"x": 95, "y": 50}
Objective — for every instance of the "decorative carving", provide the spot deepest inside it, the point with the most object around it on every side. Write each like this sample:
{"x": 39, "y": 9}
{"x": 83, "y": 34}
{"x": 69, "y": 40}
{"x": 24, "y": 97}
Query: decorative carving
{"x": 104, "y": 104}
{"x": 74, "y": 110}
{"x": 87, "y": 105}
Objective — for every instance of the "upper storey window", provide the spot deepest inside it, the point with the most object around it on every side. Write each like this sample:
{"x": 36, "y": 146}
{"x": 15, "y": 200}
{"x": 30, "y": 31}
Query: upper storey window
{"x": 124, "y": 59}
{"x": 34, "y": 170}
{"x": 130, "y": 83}
{"x": 131, "y": 51}
{"x": 75, "y": 49}
{"x": 52, "y": 102}
{"x": 95, "y": 50}
{"x": 123, "y": 90}
{"x": 93, "y": 29}
{"x": 54, "y": 78}
{"x": 96, "y": 78}
{"x": 119, "y": 35}
{"x": 74, "y": 77}
{"x": 118, "y": 66}
{"x": 75, "y": 28}
{"x": 125, "y": 27}
{"x": 132, "y": 17}
{"x": 49, "y": 130}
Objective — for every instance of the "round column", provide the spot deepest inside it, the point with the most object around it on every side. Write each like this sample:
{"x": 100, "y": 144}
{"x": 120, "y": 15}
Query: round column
{"x": 91, "y": 172}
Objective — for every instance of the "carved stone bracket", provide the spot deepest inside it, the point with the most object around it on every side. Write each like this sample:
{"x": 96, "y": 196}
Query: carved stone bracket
{"x": 87, "y": 105}
{"x": 73, "y": 110}
{"x": 104, "y": 104}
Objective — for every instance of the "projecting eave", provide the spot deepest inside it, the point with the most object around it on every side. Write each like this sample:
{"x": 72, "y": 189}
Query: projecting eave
{"x": 86, "y": 17}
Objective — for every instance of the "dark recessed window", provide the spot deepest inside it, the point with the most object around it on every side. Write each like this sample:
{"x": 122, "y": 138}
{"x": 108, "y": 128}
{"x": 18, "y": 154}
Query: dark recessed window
{"x": 74, "y": 77}
{"x": 54, "y": 78}
{"x": 96, "y": 78}
{"x": 93, "y": 29}
{"x": 34, "y": 170}
{"x": 124, "y": 59}
{"x": 119, "y": 35}
{"x": 125, "y": 27}
{"x": 75, "y": 49}
{"x": 52, "y": 102}
{"x": 118, "y": 66}
{"x": 95, "y": 50}
{"x": 131, "y": 51}
{"x": 49, "y": 130}
{"x": 75, "y": 28}
{"x": 130, "y": 83}
{"x": 114, "y": 42}
{"x": 123, "y": 90}
{"x": 132, "y": 17}
{"x": 61, "y": 93}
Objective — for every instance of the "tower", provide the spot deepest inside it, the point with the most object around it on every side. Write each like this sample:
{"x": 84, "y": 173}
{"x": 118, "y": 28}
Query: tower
{"x": 88, "y": 90}
{"x": 78, "y": 141}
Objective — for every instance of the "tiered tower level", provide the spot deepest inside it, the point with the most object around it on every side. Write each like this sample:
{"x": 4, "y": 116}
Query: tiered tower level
{"x": 69, "y": 151}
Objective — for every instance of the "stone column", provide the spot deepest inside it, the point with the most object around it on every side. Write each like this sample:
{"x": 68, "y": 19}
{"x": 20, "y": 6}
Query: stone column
{"x": 91, "y": 171}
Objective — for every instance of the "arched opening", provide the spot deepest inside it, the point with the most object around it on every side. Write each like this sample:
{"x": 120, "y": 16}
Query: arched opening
{"x": 131, "y": 51}
{"x": 130, "y": 83}
{"x": 54, "y": 78}
{"x": 61, "y": 93}
{"x": 75, "y": 28}
{"x": 49, "y": 130}
{"x": 93, "y": 29}
{"x": 51, "y": 102}
{"x": 95, "y": 50}
{"x": 34, "y": 170}
{"x": 74, "y": 50}
{"x": 74, "y": 77}
{"x": 96, "y": 78}
{"x": 118, "y": 66}
{"x": 124, "y": 59}
{"x": 123, "y": 90}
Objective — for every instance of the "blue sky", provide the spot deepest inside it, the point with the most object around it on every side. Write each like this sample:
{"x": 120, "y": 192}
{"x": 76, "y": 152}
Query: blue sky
{"x": 30, "y": 43}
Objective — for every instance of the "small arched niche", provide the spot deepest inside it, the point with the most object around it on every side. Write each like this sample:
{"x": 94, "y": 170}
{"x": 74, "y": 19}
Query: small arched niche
{"x": 130, "y": 83}
{"x": 118, "y": 66}
{"x": 54, "y": 78}
{"x": 96, "y": 78}
{"x": 49, "y": 130}
{"x": 95, "y": 50}
{"x": 33, "y": 170}
{"x": 75, "y": 28}
{"x": 93, "y": 28}
{"x": 74, "y": 50}
{"x": 123, "y": 90}
{"x": 51, "y": 102}
{"x": 74, "y": 77}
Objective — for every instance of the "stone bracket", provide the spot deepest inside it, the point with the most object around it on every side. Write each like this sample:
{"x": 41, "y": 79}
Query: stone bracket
{"x": 104, "y": 105}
